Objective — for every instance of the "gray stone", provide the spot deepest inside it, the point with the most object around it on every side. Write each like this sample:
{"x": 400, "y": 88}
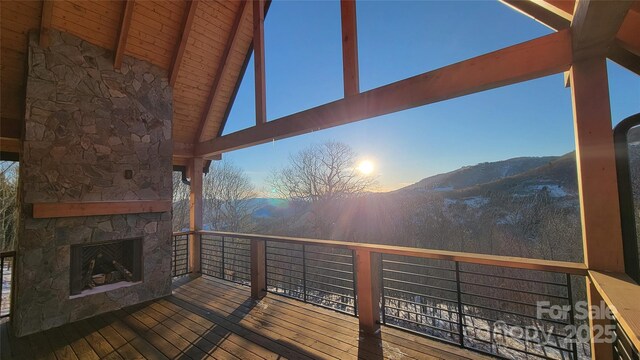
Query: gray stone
{"x": 86, "y": 123}
{"x": 41, "y": 89}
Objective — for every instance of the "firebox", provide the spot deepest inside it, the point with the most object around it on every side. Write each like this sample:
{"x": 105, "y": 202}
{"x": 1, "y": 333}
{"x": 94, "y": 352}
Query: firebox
{"x": 105, "y": 263}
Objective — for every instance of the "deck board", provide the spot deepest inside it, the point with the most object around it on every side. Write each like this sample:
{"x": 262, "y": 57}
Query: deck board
{"x": 208, "y": 318}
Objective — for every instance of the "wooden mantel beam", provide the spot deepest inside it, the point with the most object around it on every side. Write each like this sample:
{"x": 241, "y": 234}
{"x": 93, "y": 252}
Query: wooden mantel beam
{"x": 124, "y": 33}
{"x": 594, "y": 26}
{"x": 190, "y": 14}
{"x": 258, "y": 61}
{"x": 222, "y": 68}
{"x": 540, "y": 57}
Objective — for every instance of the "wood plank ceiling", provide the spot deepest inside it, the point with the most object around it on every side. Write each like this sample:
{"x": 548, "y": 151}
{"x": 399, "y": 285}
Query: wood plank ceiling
{"x": 204, "y": 46}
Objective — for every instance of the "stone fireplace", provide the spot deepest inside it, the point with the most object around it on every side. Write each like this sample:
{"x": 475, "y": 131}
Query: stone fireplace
{"x": 92, "y": 134}
{"x": 94, "y": 267}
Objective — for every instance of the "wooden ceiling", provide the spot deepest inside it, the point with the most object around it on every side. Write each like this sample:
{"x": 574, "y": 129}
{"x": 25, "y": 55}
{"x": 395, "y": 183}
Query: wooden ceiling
{"x": 204, "y": 45}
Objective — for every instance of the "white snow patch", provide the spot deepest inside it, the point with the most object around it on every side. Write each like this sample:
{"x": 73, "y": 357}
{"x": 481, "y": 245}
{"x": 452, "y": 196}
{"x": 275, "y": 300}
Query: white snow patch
{"x": 448, "y": 202}
{"x": 442, "y": 188}
{"x": 476, "y": 201}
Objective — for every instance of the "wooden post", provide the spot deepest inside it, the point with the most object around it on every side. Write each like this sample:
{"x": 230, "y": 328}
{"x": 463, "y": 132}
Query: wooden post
{"x": 368, "y": 290}
{"x": 599, "y": 350}
{"x": 349, "y": 48}
{"x": 597, "y": 180}
{"x": 595, "y": 156}
{"x": 258, "y": 61}
{"x": 258, "y": 269}
{"x": 195, "y": 213}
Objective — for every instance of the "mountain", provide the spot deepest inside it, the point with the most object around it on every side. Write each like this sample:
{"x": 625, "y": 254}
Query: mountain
{"x": 483, "y": 173}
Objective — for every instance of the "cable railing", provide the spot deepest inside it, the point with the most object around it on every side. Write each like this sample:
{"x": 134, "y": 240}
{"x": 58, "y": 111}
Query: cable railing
{"x": 481, "y": 307}
{"x": 480, "y": 302}
{"x": 319, "y": 275}
{"x": 180, "y": 254}
{"x": 226, "y": 258}
{"x": 7, "y": 261}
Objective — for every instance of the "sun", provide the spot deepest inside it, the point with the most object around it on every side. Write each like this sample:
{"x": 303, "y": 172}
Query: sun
{"x": 366, "y": 167}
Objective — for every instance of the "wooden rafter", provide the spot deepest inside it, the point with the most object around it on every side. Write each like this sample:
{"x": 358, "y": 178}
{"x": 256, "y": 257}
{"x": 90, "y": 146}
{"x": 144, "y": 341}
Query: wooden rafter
{"x": 121, "y": 46}
{"x": 543, "y": 56}
{"x": 45, "y": 22}
{"x": 595, "y": 25}
{"x": 542, "y": 12}
{"x": 187, "y": 24}
{"x": 349, "y": 48}
{"x": 258, "y": 61}
{"x": 557, "y": 15}
{"x": 222, "y": 68}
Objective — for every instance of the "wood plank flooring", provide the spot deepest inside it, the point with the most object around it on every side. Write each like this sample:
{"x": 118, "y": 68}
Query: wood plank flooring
{"x": 208, "y": 318}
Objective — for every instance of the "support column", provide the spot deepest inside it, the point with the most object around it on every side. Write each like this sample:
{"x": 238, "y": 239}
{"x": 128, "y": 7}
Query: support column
{"x": 258, "y": 269}
{"x": 195, "y": 213}
{"x": 368, "y": 290}
{"x": 597, "y": 180}
{"x": 595, "y": 156}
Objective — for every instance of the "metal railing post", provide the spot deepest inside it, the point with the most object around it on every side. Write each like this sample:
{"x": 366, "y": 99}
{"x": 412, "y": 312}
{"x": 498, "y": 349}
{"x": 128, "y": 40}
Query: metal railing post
{"x": 574, "y": 343}
{"x": 459, "y": 297}
{"x": 222, "y": 272}
{"x": 304, "y": 273}
{"x": 355, "y": 282}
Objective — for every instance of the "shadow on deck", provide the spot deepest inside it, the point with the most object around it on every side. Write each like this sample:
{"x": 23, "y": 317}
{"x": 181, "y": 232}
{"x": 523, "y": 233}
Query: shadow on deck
{"x": 211, "y": 318}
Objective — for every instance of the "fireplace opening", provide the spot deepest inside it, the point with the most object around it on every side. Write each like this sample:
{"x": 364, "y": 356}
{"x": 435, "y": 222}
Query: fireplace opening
{"x": 105, "y": 263}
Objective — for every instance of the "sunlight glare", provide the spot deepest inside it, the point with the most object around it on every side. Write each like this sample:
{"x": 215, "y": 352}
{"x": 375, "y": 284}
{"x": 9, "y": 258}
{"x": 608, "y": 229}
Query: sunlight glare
{"x": 366, "y": 167}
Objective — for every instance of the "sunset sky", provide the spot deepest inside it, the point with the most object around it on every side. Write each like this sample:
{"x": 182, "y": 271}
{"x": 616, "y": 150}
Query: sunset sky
{"x": 397, "y": 40}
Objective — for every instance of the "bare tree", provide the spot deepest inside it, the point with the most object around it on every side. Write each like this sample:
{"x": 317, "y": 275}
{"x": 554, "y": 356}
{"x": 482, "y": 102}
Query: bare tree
{"x": 8, "y": 204}
{"x": 180, "y": 203}
{"x": 227, "y": 192}
{"x": 322, "y": 176}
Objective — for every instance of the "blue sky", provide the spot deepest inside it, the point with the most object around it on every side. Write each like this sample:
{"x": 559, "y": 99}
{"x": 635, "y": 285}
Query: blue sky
{"x": 396, "y": 40}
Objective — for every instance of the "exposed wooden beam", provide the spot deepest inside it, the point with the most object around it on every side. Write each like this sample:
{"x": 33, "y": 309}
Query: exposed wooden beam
{"x": 123, "y": 35}
{"x": 10, "y": 127}
{"x": 628, "y": 36}
{"x": 624, "y": 58}
{"x": 543, "y": 56}
{"x": 99, "y": 208}
{"x": 183, "y": 150}
{"x": 542, "y": 12}
{"x": 222, "y": 68}
{"x": 187, "y": 24}
{"x": 45, "y": 22}
{"x": 349, "y": 48}
{"x": 195, "y": 212}
{"x": 595, "y": 24}
{"x": 10, "y": 145}
{"x": 258, "y": 61}
{"x": 549, "y": 13}
{"x": 597, "y": 179}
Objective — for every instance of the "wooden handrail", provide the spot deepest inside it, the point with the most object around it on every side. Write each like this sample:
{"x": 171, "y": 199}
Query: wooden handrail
{"x": 621, "y": 294}
{"x": 472, "y": 258}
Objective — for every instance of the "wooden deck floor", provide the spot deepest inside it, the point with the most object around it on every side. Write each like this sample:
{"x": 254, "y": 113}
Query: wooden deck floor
{"x": 209, "y": 318}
